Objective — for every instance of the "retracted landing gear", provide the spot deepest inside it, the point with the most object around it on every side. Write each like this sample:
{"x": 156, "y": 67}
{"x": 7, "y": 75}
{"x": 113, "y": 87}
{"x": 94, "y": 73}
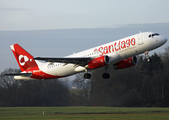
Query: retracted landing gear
{"x": 147, "y": 56}
{"x": 87, "y": 75}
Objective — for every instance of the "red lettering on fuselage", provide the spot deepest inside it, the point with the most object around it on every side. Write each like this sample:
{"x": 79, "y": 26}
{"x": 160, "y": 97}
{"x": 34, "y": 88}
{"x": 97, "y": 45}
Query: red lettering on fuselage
{"x": 111, "y": 49}
{"x": 120, "y": 45}
{"x": 128, "y": 43}
{"x": 105, "y": 50}
{"x": 123, "y": 44}
{"x": 115, "y": 46}
{"x": 101, "y": 50}
{"x": 133, "y": 41}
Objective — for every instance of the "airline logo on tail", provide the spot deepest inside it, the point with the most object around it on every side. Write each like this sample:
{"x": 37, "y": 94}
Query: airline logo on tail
{"x": 23, "y": 60}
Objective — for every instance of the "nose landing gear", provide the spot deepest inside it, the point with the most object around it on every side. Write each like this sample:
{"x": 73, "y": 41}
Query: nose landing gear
{"x": 147, "y": 56}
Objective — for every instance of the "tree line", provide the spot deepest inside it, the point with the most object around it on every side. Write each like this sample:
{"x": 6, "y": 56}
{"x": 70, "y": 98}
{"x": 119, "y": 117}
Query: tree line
{"x": 32, "y": 93}
{"x": 144, "y": 85}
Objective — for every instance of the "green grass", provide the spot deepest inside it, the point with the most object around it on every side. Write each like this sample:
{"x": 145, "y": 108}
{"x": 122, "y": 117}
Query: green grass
{"x": 83, "y": 113}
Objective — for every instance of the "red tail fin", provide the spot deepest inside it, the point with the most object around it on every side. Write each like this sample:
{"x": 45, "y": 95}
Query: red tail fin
{"x": 24, "y": 59}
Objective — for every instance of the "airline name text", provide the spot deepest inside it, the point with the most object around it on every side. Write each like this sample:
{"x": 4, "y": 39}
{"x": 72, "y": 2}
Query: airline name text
{"x": 117, "y": 46}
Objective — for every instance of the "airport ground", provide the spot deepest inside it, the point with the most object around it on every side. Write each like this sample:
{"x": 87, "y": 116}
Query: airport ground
{"x": 83, "y": 113}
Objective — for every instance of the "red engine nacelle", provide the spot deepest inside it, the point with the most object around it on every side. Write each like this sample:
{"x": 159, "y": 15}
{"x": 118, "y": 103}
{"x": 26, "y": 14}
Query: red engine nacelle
{"x": 98, "y": 62}
{"x": 131, "y": 61}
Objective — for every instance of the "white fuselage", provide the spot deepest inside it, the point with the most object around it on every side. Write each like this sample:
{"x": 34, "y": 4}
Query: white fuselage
{"x": 118, "y": 50}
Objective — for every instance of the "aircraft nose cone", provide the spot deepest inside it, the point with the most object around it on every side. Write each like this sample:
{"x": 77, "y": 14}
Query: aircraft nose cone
{"x": 165, "y": 39}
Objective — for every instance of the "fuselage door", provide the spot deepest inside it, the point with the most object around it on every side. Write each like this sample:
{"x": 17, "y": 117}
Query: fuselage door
{"x": 140, "y": 39}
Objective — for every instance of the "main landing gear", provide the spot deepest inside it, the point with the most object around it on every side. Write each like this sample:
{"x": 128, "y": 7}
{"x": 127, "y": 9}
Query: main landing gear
{"x": 104, "y": 75}
{"x": 87, "y": 76}
{"x": 147, "y": 56}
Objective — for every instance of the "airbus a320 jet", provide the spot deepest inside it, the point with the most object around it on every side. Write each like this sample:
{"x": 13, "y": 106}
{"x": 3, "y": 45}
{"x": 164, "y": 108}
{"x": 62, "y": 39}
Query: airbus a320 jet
{"x": 119, "y": 54}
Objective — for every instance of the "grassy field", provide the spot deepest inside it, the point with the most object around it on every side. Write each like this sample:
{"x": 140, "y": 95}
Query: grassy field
{"x": 83, "y": 113}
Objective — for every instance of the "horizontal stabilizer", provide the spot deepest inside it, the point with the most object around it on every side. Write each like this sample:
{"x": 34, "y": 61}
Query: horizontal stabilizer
{"x": 18, "y": 74}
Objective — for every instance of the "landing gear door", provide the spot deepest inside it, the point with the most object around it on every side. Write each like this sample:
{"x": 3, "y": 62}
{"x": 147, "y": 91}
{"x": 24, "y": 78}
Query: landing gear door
{"x": 140, "y": 39}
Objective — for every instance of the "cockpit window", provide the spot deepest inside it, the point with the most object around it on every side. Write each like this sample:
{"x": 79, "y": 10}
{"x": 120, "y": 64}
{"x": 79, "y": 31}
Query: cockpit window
{"x": 152, "y": 35}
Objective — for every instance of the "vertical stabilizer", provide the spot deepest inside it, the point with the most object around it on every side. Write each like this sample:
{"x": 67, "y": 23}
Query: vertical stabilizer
{"x": 24, "y": 59}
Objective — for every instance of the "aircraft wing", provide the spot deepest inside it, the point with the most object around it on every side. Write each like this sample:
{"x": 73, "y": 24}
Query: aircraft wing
{"x": 74, "y": 60}
{"x": 18, "y": 74}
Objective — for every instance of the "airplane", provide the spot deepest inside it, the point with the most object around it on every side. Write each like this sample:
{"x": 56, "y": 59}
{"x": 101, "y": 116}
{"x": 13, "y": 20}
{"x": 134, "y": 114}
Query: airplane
{"x": 119, "y": 54}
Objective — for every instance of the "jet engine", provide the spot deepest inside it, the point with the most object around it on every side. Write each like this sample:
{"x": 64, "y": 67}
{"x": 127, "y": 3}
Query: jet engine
{"x": 99, "y": 62}
{"x": 125, "y": 63}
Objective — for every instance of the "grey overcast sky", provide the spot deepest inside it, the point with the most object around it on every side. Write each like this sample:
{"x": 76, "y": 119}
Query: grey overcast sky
{"x": 60, "y": 43}
{"x": 30, "y": 23}
{"x": 61, "y": 14}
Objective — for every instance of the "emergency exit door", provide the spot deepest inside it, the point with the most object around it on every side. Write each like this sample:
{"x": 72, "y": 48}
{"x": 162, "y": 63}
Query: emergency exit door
{"x": 140, "y": 39}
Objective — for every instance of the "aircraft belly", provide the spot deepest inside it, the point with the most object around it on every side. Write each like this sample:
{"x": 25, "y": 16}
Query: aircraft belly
{"x": 128, "y": 52}
{"x": 61, "y": 70}
{"x": 22, "y": 78}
